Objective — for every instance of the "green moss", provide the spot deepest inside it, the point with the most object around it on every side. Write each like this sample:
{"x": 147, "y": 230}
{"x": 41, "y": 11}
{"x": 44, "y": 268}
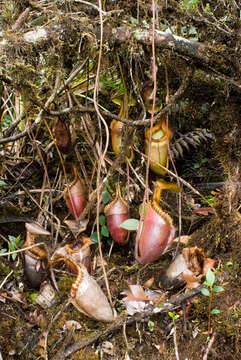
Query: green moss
{"x": 4, "y": 268}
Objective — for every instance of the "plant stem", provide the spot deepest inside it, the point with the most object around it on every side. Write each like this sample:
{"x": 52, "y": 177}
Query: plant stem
{"x": 209, "y": 310}
{"x": 175, "y": 340}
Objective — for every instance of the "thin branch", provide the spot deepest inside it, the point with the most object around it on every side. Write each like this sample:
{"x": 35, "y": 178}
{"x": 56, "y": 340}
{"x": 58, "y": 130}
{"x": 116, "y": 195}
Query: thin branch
{"x": 4, "y": 281}
{"x": 13, "y": 125}
{"x": 175, "y": 342}
{"x": 102, "y": 156}
{"x": 205, "y": 356}
{"x": 146, "y": 193}
{"x": 21, "y": 250}
{"x": 103, "y": 13}
{"x": 206, "y": 57}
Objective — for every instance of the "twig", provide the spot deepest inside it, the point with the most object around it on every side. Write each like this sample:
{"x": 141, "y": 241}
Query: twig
{"x": 102, "y": 156}
{"x": 146, "y": 193}
{"x": 21, "y": 250}
{"x": 175, "y": 342}
{"x": 145, "y": 122}
{"x": 3, "y": 282}
{"x": 175, "y": 171}
{"x": 205, "y": 56}
{"x": 9, "y": 130}
{"x": 104, "y": 13}
{"x": 205, "y": 356}
{"x": 125, "y": 337}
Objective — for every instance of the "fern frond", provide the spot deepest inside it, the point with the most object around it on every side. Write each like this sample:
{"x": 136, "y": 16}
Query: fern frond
{"x": 193, "y": 138}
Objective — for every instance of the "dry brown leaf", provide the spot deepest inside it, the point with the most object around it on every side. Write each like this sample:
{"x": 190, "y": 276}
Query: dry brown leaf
{"x": 108, "y": 348}
{"x": 149, "y": 282}
{"x": 136, "y": 293}
{"x": 70, "y": 324}
{"x": 190, "y": 279}
{"x": 204, "y": 211}
{"x": 208, "y": 264}
{"x": 183, "y": 239}
{"x": 189, "y": 266}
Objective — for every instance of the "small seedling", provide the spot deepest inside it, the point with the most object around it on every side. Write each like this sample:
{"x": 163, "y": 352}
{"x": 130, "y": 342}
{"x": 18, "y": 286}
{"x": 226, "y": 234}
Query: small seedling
{"x": 210, "y": 279}
{"x": 2, "y": 183}
{"x": 173, "y": 316}
{"x": 119, "y": 306}
{"x": 105, "y": 197}
{"x": 151, "y": 325}
{"x": 13, "y": 245}
{"x": 103, "y": 229}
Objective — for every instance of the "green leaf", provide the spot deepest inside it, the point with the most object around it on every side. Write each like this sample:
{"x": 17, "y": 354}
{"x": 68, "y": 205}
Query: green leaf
{"x": 12, "y": 239}
{"x": 11, "y": 247}
{"x": 109, "y": 188}
{"x": 210, "y": 277}
{"x": 94, "y": 237}
{"x": 105, "y": 197}
{"x": 192, "y": 30}
{"x": 173, "y": 315}
{"x": 215, "y": 311}
{"x": 205, "y": 292}
{"x": 14, "y": 256}
{"x": 229, "y": 263}
{"x": 18, "y": 240}
{"x": 105, "y": 231}
{"x": 2, "y": 251}
{"x": 102, "y": 219}
{"x": 151, "y": 325}
{"x": 2, "y": 183}
{"x": 217, "y": 288}
{"x": 33, "y": 297}
{"x": 130, "y": 224}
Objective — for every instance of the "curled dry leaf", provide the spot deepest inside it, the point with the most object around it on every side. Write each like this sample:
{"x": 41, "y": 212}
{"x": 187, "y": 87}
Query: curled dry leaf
{"x": 149, "y": 282}
{"x": 136, "y": 293}
{"x": 62, "y": 136}
{"x": 108, "y": 348}
{"x": 72, "y": 324}
{"x": 183, "y": 239}
{"x": 77, "y": 226}
{"x": 189, "y": 267}
{"x": 204, "y": 211}
{"x": 137, "y": 298}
